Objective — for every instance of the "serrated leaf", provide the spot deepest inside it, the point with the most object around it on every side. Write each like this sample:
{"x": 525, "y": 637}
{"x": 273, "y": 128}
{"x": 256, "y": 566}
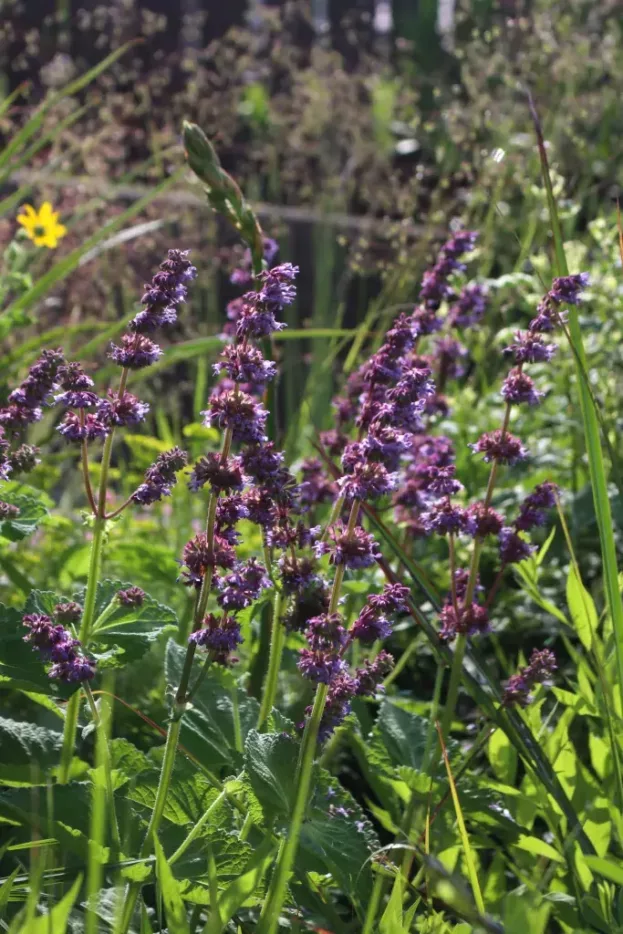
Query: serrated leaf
{"x": 122, "y": 634}
{"x": 26, "y": 750}
{"x": 242, "y": 888}
{"x": 169, "y": 890}
{"x": 403, "y": 733}
{"x": 214, "y": 727}
{"x": 31, "y": 512}
{"x": 270, "y": 762}
{"x": 188, "y": 796}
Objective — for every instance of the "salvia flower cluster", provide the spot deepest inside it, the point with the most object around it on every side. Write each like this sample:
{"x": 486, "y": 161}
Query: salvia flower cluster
{"x": 57, "y": 645}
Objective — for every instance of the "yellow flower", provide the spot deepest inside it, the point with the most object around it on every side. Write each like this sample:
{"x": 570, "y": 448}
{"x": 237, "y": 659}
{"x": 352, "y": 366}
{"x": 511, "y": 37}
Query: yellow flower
{"x": 42, "y": 226}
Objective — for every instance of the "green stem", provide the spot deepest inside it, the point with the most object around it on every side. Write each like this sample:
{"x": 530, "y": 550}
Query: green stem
{"x": 373, "y": 905}
{"x": 455, "y": 681}
{"x": 277, "y": 643}
{"x": 104, "y": 754}
{"x": 269, "y": 918}
{"x": 73, "y": 707}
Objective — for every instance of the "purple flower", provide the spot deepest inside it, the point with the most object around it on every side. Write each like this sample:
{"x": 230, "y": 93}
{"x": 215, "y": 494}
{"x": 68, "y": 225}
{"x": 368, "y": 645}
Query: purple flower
{"x": 40, "y": 382}
{"x": 367, "y": 481}
{"x": 197, "y": 557}
{"x": 240, "y": 412}
{"x": 166, "y": 290}
{"x": 566, "y": 290}
{"x": 440, "y": 481}
{"x": 122, "y": 410}
{"x": 311, "y": 600}
{"x": 261, "y": 506}
{"x": 392, "y": 599}
{"x": 15, "y": 417}
{"x": 23, "y": 459}
{"x": 277, "y": 286}
{"x": 370, "y": 677}
{"x": 500, "y": 446}
{"x": 414, "y": 384}
{"x": 245, "y": 363}
{"x": 449, "y": 352}
{"x": 385, "y": 445}
{"x": 326, "y": 633}
{"x": 320, "y": 667}
{"x": 136, "y": 352}
{"x": 263, "y": 462}
{"x": 513, "y": 548}
{"x": 77, "y": 399}
{"x": 355, "y": 550}
{"x": 132, "y": 596}
{"x": 471, "y": 620}
{"x": 315, "y": 487}
{"x": 333, "y": 441}
{"x": 296, "y": 573}
{"x": 73, "y": 429}
{"x": 519, "y": 388}
{"x": 67, "y": 612}
{"x": 223, "y": 476}
{"x": 529, "y": 347}
{"x": 469, "y": 308}
{"x": 160, "y": 477}
{"x": 244, "y": 585}
{"x": 341, "y": 691}
{"x": 445, "y": 518}
{"x": 218, "y": 634}
{"x": 486, "y": 521}
{"x": 243, "y": 275}
{"x": 533, "y": 508}
{"x": 370, "y": 625}
{"x": 548, "y": 316}
{"x": 73, "y": 670}
{"x": 542, "y": 665}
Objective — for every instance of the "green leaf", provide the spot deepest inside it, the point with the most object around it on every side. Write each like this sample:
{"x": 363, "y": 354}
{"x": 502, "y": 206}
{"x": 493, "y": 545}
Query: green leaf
{"x": 581, "y": 608}
{"x": 26, "y": 750}
{"x": 391, "y": 919}
{"x": 58, "y": 917}
{"x": 403, "y": 733}
{"x": 215, "y": 726}
{"x": 122, "y": 633}
{"x": 337, "y": 838}
{"x": 502, "y": 756}
{"x": 270, "y": 762}
{"x": 31, "y": 512}
{"x": 605, "y": 868}
{"x": 538, "y": 847}
{"x": 244, "y": 887}
{"x": 189, "y": 795}
{"x": 169, "y": 889}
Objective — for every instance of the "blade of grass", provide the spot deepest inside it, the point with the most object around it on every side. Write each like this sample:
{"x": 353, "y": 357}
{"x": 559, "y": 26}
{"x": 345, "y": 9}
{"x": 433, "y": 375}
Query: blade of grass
{"x": 467, "y": 850}
{"x": 597, "y": 472}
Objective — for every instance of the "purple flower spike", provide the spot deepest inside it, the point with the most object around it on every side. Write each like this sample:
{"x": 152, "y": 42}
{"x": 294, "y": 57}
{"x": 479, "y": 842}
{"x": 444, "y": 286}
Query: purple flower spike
{"x": 133, "y": 596}
{"x": 486, "y": 520}
{"x": 244, "y": 585}
{"x": 166, "y": 290}
{"x": 136, "y": 352}
{"x": 122, "y": 410}
{"x": 320, "y": 667}
{"x": 370, "y": 625}
{"x": 219, "y": 635}
{"x": 67, "y": 612}
{"x": 367, "y": 481}
{"x": 445, "y": 518}
{"x": 566, "y": 290}
{"x": 370, "y": 677}
{"x": 355, "y": 550}
{"x": 541, "y": 667}
{"x": 513, "y": 548}
{"x": 223, "y": 476}
{"x": 534, "y": 507}
{"x": 470, "y": 307}
{"x": 500, "y": 446}
{"x": 93, "y": 428}
{"x": 392, "y": 600}
{"x": 529, "y": 347}
{"x": 472, "y": 620}
{"x": 240, "y": 412}
{"x": 244, "y": 363}
{"x": 519, "y": 388}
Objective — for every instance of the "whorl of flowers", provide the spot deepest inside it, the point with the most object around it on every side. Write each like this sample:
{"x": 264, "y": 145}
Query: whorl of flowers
{"x": 541, "y": 667}
{"x": 56, "y": 644}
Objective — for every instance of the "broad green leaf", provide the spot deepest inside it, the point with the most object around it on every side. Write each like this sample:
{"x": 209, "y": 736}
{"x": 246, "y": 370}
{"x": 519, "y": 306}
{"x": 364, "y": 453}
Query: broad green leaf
{"x": 538, "y": 847}
{"x": 270, "y": 762}
{"x": 403, "y": 733}
{"x": 26, "y": 751}
{"x": 169, "y": 891}
{"x": 391, "y": 919}
{"x": 122, "y": 633}
{"x": 31, "y": 512}
{"x": 244, "y": 887}
{"x": 582, "y": 609}
{"x": 215, "y": 727}
{"x": 188, "y": 797}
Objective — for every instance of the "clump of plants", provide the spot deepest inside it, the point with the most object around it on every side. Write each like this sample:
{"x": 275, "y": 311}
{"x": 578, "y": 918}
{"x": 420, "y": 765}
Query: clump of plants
{"x": 309, "y": 588}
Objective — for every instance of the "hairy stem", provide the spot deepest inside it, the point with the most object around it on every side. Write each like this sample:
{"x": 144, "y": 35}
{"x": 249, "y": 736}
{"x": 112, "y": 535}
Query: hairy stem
{"x": 277, "y": 643}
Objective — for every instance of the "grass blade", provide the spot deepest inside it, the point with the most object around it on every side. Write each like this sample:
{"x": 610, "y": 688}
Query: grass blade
{"x": 597, "y": 472}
